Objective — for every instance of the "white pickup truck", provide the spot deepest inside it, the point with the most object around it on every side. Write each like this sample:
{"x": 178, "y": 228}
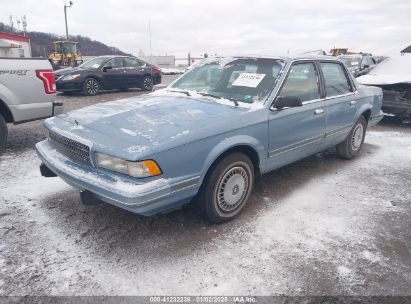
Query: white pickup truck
{"x": 27, "y": 92}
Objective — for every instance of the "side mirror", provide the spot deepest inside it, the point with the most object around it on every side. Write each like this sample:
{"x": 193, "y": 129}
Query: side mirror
{"x": 106, "y": 68}
{"x": 287, "y": 102}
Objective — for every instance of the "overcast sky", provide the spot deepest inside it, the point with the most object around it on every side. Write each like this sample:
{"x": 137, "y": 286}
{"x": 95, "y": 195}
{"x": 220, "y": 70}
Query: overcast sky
{"x": 225, "y": 26}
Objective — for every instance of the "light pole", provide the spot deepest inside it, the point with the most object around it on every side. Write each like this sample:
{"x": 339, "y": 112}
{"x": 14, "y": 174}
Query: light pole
{"x": 65, "y": 15}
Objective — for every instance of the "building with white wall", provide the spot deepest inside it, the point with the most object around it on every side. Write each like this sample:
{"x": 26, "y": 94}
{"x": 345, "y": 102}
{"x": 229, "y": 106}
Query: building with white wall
{"x": 12, "y": 45}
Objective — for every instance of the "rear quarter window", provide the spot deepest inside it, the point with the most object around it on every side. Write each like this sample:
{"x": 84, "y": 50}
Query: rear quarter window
{"x": 336, "y": 79}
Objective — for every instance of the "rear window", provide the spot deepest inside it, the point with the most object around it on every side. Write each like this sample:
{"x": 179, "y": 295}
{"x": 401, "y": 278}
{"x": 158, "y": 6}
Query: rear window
{"x": 336, "y": 80}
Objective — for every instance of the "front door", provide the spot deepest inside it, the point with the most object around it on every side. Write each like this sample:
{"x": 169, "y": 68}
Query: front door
{"x": 297, "y": 132}
{"x": 115, "y": 74}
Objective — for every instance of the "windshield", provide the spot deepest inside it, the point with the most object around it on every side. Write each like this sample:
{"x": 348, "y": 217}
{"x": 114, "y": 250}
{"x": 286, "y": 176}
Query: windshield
{"x": 93, "y": 63}
{"x": 244, "y": 79}
{"x": 65, "y": 48}
{"x": 351, "y": 62}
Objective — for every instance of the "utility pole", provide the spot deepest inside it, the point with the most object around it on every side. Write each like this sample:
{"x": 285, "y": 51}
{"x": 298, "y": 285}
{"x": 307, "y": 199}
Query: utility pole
{"x": 149, "y": 31}
{"x": 65, "y": 15}
{"x": 11, "y": 23}
{"x": 24, "y": 23}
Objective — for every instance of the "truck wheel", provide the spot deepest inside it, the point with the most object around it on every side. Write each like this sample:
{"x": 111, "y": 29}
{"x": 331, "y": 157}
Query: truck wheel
{"x": 147, "y": 83}
{"x": 352, "y": 145}
{"x": 3, "y": 132}
{"x": 227, "y": 188}
{"x": 91, "y": 87}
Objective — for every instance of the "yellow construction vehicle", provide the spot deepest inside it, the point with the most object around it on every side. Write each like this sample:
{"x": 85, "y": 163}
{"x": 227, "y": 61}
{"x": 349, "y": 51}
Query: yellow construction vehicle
{"x": 339, "y": 51}
{"x": 65, "y": 54}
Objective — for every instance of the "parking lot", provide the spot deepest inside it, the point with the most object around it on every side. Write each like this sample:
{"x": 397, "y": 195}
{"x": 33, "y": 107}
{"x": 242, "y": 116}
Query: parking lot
{"x": 319, "y": 226}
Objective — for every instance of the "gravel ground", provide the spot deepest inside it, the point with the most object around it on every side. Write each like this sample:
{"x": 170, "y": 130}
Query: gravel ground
{"x": 321, "y": 226}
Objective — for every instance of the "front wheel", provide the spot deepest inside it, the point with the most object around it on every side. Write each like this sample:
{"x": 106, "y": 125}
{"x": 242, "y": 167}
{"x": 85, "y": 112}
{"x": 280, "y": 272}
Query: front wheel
{"x": 352, "y": 145}
{"x": 227, "y": 188}
{"x": 91, "y": 87}
{"x": 3, "y": 132}
{"x": 147, "y": 83}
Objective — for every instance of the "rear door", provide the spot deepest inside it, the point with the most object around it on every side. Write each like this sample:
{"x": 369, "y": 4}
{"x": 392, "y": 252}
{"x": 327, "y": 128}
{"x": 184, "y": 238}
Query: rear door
{"x": 115, "y": 74}
{"x": 135, "y": 71}
{"x": 341, "y": 100}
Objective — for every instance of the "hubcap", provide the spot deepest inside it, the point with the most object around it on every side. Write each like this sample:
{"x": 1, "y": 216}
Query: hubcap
{"x": 357, "y": 136}
{"x": 232, "y": 189}
{"x": 148, "y": 83}
{"x": 92, "y": 87}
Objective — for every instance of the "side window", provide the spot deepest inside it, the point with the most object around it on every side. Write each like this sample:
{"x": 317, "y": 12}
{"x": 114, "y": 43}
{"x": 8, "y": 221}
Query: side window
{"x": 115, "y": 63}
{"x": 370, "y": 61}
{"x": 131, "y": 63}
{"x": 142, "y": 63}
{"x": 364, "y": 62}
{"x": 336, "y": 81}
{"x": 302, "y": 81}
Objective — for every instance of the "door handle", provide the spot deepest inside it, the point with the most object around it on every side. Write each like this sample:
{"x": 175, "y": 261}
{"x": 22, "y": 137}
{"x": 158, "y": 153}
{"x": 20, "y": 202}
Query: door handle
{"x": 353, "y": 103}
{"x": 318, "y": 111}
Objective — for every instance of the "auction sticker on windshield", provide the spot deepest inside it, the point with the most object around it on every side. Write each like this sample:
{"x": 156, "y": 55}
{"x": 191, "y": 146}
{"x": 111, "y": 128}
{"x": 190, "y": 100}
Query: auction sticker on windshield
{"x": 250, "y": 80}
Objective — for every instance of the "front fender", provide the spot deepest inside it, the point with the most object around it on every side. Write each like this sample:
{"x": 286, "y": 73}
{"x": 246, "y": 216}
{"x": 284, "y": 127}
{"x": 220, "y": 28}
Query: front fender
{"x": 232, "y": 142}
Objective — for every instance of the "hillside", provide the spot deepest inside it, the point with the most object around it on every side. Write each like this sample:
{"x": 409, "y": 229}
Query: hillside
{"x": 42, "y": 43}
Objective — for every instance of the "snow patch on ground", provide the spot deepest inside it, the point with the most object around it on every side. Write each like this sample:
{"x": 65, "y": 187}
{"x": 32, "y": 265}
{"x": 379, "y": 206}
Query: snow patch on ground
{"x": 312, "y": 239}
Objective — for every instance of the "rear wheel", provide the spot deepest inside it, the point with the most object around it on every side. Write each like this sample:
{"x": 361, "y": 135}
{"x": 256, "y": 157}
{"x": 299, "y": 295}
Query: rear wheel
{"x": 352, "y": 145}
{"x": 227, "y": 188}
{"x": 3, "y": 132}
{"x": 147, "y": 83}
{"x": 91, "y": 87}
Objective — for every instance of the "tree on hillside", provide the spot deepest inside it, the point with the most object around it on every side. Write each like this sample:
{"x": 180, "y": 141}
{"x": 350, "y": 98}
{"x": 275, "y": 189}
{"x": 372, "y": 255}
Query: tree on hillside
{"x": 42, "y": 43}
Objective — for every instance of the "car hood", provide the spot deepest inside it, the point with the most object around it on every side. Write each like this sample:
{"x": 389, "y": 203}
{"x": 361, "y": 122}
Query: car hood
{"x": 67, "y": 71}
{"x": 146, "y": 125}
{"x": 396, "y": 69}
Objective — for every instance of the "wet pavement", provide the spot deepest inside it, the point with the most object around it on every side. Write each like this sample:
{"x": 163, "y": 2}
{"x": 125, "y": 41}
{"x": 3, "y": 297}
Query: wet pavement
{"x": 320, "y": 226}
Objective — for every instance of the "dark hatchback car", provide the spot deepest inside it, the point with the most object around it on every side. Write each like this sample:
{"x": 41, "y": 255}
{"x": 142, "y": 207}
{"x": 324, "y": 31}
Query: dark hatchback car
{"x": 108, "y": 73}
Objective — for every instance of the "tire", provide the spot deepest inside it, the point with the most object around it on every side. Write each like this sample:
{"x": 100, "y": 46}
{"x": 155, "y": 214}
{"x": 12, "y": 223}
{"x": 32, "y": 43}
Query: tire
{"x": 352, "y": 145}
{"x": 147, "y": 83}
{"x": 3, "y": 132}
{"x": 226, "y": 188}
{"x": 91, "y": 87}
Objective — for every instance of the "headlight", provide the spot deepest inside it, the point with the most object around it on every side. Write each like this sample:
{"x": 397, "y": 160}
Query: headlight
{"x": 140, "y": 169}
{"x": 70, "y": 77}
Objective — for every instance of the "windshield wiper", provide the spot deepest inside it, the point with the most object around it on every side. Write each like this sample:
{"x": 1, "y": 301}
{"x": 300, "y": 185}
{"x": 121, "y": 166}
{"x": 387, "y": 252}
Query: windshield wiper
{"x": 218, "y": 97}
{"x": 180, "y": 91}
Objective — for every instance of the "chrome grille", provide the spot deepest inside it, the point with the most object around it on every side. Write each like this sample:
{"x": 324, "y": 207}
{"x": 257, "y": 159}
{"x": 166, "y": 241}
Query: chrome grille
{"x": 71, "y": 148}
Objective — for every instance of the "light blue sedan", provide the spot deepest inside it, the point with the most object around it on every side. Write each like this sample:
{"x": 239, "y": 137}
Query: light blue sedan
{"x": 210, "y": 134}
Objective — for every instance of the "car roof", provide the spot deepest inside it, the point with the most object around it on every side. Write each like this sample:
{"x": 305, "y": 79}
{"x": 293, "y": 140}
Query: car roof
{"x": 354, "y": 55}
{"x": 284, "y": 58}
{"x": 114, "y": 56}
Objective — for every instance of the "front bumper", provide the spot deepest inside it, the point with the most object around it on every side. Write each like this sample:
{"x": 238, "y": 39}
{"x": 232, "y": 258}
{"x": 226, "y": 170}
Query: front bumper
{"x": 68, "y": 86}
{"x": 145, "y": 196}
